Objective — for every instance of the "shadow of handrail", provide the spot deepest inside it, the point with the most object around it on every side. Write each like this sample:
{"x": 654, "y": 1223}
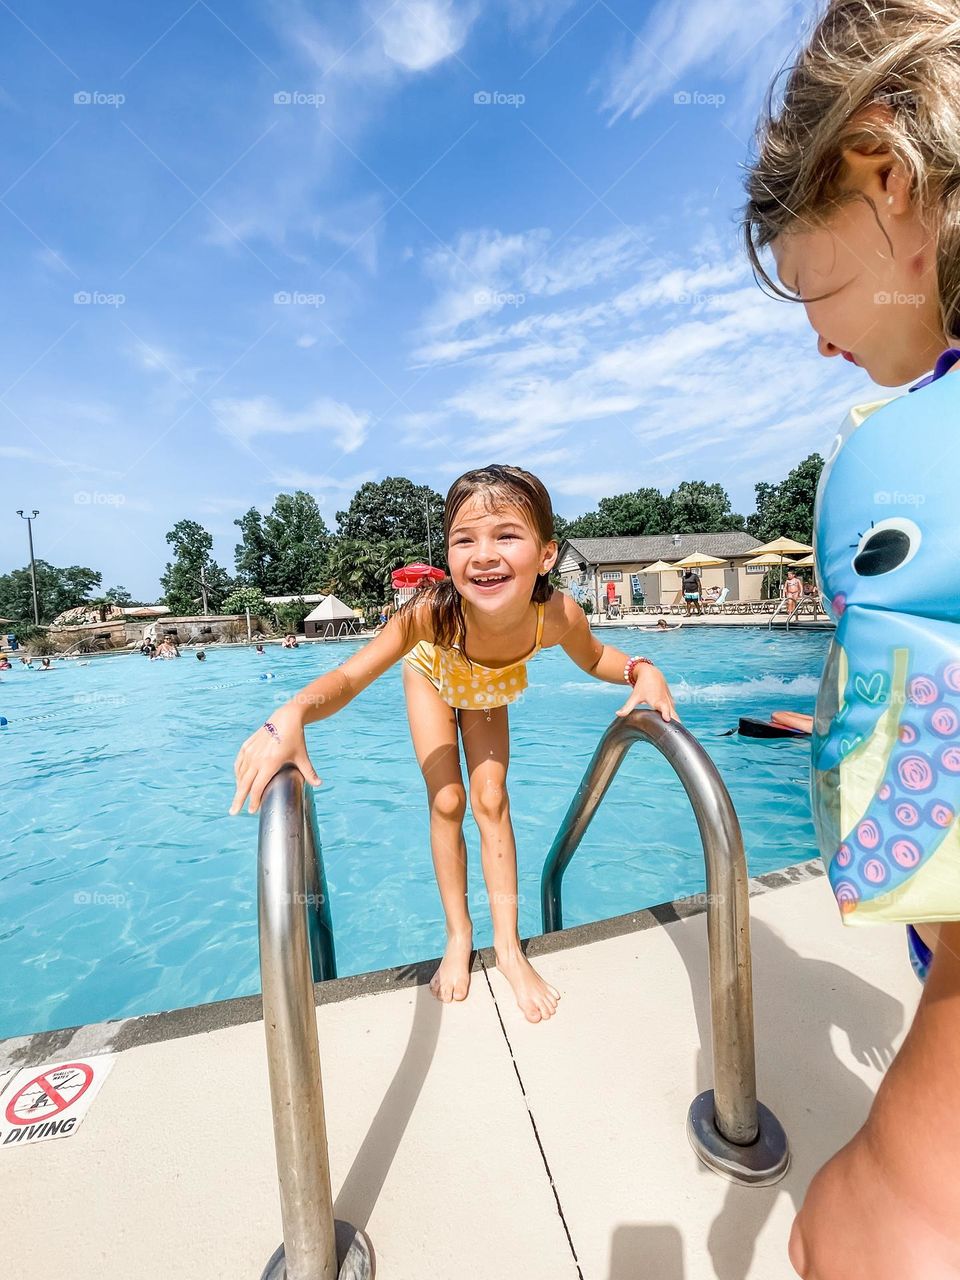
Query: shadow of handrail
{"x": 730, "y": 1130}
{"x": 291, "y": 892}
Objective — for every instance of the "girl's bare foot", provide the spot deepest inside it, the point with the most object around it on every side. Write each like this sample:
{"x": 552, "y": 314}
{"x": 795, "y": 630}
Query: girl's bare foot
{"x": 452, "y": 979}
{"x": 536, "y": 998}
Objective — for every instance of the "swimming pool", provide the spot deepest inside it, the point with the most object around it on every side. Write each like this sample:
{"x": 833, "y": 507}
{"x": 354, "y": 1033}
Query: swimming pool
{"x": 126, "y": 888}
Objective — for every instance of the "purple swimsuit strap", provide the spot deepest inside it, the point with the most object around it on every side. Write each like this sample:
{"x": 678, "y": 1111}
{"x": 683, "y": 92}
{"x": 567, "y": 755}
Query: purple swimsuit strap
{"x": 945, "y": 362}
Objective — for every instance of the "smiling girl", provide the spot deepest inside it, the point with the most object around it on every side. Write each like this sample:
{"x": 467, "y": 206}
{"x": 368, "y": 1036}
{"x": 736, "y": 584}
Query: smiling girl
{"x": 465, "y": 643}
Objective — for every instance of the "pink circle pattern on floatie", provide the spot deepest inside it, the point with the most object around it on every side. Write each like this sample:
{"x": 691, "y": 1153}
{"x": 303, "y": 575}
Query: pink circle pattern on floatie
{"x": 916, "y": 803}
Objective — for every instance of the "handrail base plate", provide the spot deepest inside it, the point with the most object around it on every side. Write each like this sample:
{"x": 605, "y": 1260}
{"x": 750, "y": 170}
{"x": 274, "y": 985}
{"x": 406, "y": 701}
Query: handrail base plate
{"x": 354, "y": 1256}
{"x": 764, "y": 1162}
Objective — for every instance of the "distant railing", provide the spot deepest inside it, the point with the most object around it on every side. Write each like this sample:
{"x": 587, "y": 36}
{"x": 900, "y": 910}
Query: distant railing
{"x": 296, "y": 947}
{"x": 811, "y": 605}
{"x": 729, "y": 1129}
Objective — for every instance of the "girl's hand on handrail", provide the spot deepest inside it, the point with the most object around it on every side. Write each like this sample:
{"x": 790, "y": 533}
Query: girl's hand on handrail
{"x": 278, "y": 742}
{"x": 650, "y": 688}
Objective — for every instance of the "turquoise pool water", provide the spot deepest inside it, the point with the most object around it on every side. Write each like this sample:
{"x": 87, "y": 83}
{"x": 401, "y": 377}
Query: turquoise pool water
{"x": 126, "y": 888}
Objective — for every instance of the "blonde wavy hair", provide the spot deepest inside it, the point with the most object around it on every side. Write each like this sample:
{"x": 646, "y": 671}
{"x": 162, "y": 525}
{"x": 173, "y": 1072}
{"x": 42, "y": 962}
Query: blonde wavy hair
{"x": 876, "y": 75}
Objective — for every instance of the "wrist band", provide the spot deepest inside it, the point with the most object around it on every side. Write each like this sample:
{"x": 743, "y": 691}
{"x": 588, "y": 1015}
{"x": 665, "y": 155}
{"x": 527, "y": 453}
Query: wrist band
{"x": 271, "y": 729}
{"x": 628, "y": 670}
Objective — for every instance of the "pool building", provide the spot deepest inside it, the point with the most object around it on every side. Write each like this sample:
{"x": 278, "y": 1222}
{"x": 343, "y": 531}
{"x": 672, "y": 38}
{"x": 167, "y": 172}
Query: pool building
{"x": 596, "y": 564}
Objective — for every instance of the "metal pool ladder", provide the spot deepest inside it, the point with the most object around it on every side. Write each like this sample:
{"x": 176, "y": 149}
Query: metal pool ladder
{"x": 296, "y": 950}
{"x": 732, "y": 1133}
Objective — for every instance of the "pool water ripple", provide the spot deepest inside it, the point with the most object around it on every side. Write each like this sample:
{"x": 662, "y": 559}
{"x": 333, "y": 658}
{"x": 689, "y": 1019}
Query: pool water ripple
{"x": 126, "y": 887}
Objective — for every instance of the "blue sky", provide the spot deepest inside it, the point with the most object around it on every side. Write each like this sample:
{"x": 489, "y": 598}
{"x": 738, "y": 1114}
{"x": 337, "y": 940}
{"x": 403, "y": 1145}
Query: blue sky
{"x": 325, "y": 243}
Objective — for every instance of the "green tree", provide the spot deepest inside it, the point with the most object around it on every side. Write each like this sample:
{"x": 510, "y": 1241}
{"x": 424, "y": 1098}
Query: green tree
{"x": 297, "y": 545}
{"x": 698, "y": 507}
{"x": 286, "y": 551}
{"x": 57, "y": 590}
{"x": 251, "y": 553}
{"x": 645, "y": 511}
{"x": 193, "y": 570}
{"x": 561, "y": 527}
{"x": 103, "y": 605}
{"x": 242, "y": 598}
{"x": 590, "y": 525}
{"x": 624, "y": 515}
{"x": 119, "y": 596}
{"x": 360, "y": 571}
{"x": 395, "y": 509}
{"x": 786, "y": 509}
{"x": 290, "y": 616}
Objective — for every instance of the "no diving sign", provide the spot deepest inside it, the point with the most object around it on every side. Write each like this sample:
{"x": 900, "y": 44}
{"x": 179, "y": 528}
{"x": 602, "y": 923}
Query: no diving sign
{"x": 49, "y": 1102}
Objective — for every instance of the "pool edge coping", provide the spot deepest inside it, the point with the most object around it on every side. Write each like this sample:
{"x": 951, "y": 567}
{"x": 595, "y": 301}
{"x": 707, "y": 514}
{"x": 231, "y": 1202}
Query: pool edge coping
{"x": 119, "y": 1034}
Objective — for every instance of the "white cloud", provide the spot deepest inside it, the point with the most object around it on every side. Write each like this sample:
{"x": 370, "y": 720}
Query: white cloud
{"x": 418, "y": 34}
{"x": 156, "y": 359}
{"x": 261, "y": 415}
{"x": 19, "y": 453}
{"x": 694, "y": 47}
{"x": 683, "y": 370}
{"x": 595, "y": 485}
{"x": 486, "y": 273}
{"x": 216, "y": 506}
{"x": 320, "y": 482}
{"x": 355, "y": 56}
{"x": 306, "y": 340}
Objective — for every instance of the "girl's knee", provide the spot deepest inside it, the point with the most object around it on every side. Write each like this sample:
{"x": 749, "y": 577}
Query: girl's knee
{"x": 449, "y": 802}
{"x": 489, "y": 802}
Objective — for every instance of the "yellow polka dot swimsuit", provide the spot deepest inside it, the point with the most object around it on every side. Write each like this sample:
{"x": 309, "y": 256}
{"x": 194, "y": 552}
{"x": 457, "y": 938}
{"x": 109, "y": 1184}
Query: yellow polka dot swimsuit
{"x": 467, "y": 685}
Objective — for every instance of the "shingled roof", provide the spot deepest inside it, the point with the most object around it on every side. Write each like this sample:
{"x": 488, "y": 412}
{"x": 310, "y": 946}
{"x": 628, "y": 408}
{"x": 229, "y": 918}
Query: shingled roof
{"x": 659, "y": 546}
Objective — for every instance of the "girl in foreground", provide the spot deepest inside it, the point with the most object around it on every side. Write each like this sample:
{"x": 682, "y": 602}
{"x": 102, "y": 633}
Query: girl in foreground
{"x": 465, "y": 644}
{"x": 856, "y": 191}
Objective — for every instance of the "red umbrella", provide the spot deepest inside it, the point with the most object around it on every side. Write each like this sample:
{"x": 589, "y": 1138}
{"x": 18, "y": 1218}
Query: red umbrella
{"x": 415, "y": 575}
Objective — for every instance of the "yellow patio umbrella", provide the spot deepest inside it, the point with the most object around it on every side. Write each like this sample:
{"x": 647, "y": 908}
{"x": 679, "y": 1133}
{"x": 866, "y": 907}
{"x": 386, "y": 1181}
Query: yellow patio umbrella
{"x": 806, "y": 561}
{"x": 697, "y": 560}
{"x": 659, "y": 567}
{"x": 771, "y": 560}
{"x": 782, "y": 547}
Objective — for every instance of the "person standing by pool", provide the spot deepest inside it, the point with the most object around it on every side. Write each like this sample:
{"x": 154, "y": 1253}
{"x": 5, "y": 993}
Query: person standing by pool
{"x": 465, "y": 643}
{"x": 856, "y": 191}
{"x": 792, "y": 591}
{"x": 691, "y": 591}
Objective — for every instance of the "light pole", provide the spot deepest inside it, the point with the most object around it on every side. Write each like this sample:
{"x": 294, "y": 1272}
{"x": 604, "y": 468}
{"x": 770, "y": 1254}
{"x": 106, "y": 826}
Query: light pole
{"x": 33, "y": 570}
{"x": 426, "y": 507}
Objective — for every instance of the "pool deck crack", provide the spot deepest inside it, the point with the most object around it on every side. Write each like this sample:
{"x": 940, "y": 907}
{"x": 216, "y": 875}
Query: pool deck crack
{"x": 532, "y": 1118}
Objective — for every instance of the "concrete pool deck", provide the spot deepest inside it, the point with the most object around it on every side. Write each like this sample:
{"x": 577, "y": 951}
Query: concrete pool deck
{"x": 469, "y": 1144}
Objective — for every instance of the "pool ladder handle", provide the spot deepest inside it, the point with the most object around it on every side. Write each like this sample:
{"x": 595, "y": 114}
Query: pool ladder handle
{"x": 296, "y": 950}
{"x": 807, "y": 604}
{"x": 731, "y": 1132}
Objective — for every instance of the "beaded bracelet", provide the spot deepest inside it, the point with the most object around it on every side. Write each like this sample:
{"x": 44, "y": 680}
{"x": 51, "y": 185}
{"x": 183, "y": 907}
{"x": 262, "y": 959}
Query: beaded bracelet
{"x": 629, "y": 668}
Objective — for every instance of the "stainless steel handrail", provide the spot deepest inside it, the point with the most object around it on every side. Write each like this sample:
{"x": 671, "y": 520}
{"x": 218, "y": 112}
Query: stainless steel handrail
{"x": 781, "y": 606}
{"x": 730, "y": 1130}
{"x": 291, "y": 887}
{"x": 812, "y": 605}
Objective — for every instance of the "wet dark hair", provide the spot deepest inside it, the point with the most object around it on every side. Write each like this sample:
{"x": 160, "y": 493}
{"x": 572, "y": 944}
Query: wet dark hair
{"x": 496, "y": 487}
